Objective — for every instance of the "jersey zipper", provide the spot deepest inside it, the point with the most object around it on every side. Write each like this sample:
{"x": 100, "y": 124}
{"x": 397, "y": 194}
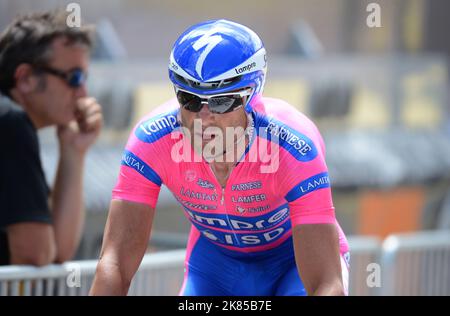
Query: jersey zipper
{"x": 222, "y": 199}
{"x": 222, "y": 202}
{"x": 223, "y": 196}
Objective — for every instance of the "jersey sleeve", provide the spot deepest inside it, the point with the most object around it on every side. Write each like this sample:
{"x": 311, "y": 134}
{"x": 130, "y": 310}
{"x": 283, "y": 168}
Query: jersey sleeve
{"x": 139, "y": 176}
{"x": 305, "y": 182}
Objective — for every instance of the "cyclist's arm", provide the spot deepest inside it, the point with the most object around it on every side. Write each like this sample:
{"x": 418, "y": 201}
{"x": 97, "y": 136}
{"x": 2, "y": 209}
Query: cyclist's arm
{"x": 318, "y": 260}
{"x": 124, "y": 243}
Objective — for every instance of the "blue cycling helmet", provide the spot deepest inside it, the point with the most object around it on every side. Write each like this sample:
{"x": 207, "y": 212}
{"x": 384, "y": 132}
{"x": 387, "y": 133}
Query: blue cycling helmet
{"x": 217, "y": 57}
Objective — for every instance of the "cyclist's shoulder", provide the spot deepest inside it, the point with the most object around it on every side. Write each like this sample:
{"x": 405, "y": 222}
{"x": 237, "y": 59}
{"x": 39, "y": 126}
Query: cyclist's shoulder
{"x": 292, "y": 130}
{"x": 159, "y": 123}
{"x": 282, "y": 114}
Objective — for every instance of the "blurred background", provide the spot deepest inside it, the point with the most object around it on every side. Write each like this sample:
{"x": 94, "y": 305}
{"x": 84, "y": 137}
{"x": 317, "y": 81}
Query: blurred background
{"x": 379, "y": 95}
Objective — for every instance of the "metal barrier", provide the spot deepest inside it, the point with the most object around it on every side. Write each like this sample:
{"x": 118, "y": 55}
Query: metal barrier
{"x": 409, "y": 264}
{"x": 363, "y": 251}
{"x": 158, "y": 274}
{"x": 416, "y": 264}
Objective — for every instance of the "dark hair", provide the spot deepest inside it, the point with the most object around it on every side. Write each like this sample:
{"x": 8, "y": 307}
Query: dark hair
{"x": 28, "y": 39}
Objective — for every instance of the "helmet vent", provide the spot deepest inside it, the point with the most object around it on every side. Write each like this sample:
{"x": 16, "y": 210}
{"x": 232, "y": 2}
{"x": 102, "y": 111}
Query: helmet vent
{"x": 208, "y": 85}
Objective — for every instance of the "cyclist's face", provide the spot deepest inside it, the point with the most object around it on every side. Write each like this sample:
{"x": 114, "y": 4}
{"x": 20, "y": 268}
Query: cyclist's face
{"x": 212, "y": 123}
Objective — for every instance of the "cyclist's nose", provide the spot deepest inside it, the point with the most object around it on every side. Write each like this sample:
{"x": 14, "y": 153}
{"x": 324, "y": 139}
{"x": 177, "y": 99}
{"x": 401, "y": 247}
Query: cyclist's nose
{"x": 204, "y": 113}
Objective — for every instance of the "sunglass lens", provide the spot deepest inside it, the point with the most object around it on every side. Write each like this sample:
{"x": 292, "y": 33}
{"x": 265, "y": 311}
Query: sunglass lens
{"x": 77, "y": 78}
{"x": 224, "y": 104}
{"x": 189, "y": 101}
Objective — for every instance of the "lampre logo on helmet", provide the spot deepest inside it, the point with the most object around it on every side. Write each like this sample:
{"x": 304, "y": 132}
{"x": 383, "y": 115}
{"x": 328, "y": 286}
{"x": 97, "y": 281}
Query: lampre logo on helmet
{"x": 218, "y": 56}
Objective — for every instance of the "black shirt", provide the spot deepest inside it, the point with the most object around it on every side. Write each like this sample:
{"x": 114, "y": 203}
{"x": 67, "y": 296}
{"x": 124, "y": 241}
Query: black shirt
{"x": 23, "y": 188}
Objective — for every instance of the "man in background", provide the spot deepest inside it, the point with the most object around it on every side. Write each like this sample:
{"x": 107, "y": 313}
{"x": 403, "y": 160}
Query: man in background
{"x": 43, "y": 71}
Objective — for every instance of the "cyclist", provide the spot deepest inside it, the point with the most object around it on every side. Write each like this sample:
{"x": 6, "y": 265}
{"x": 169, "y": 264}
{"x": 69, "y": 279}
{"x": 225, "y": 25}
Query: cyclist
{"x": 248, "y": 171}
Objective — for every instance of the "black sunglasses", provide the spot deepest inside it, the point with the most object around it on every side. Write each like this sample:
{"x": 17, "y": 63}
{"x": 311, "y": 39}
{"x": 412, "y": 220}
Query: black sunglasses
{"x": 218, "y": 103}
{"x": 74, "y": 78}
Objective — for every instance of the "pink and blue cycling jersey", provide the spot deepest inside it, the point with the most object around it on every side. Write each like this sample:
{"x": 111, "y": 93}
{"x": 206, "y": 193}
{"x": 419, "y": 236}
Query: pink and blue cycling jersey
{"x": 281, "y": 181}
